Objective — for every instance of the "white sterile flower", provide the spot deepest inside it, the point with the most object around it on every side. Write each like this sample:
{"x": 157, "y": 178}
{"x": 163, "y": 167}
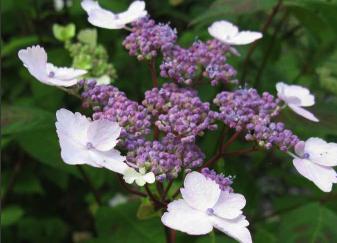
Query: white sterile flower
{"x": 228, "y": 33}
{"x": 141, "y": 177}
{"x": 35, "y": 60}
{"x": 314, "y": 160}
{"x": 103, "y": 18}
{"x": 89, "y": 142}
{"x": 204, "y": 206}
{"x": 296, "y": 97}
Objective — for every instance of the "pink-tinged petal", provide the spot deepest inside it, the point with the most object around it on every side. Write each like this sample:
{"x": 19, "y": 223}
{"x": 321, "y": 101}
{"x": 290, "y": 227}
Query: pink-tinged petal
{"x": 72, "y": 125}
{"x": 295, "y": 94}
{"x": 299, "y": 148}
{"x": 74, "y": 153}
{"x": 63, "y": 76}
{"x": 200, "y": 192}
{"x": 111, "y": 160}
{"x": 321, "y": 152}
{"x": 303, "y": 112}
{"x": 235, "y": 228}
{"x": 103, "y": 134}
{"x": 35, "y": 60}
{"x": 182, "y": 217}
{"x": 229, "y": 205}
{"x": 323, "y": 177}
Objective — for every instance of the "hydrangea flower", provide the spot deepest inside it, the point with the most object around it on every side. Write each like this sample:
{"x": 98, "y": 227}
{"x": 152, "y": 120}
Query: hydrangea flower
{"x": 141, "y": 177}
{"x": 314, "y": 160}
{"x": 229, "y": 33}
{"x": 204, "y": 206}
{"x": 103, "y": 18}
{"x": 35, "y": 60}
{"x": 89, "y": 142}
{"x": 296, "y": 97}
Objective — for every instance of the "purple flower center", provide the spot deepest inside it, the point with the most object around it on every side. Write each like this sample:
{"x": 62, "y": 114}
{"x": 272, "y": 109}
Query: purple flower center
{"x": 51, "y": 74}
{"x": 306, "y": 156}
{"x": 210, "y": 211}
{"x": 89, "y": 145}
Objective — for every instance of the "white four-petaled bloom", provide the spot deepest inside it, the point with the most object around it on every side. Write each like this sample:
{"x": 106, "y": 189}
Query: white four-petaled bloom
{"x": 35, "y": 60}
{"x": 228, "y": 33}
{"x": 296, "y": 97}
{"x": 89, "y": 142}
{"x": 204, "y": 206}
{"x": 314, "y": 160}
{"x": 103, "y": 18}
{"x": 141, "y": 177}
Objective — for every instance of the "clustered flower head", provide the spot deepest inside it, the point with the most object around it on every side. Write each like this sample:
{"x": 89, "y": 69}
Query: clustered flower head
{"x": 179, "y": 112}
{"x": 112, "y": 104}
{"x": 147, "y": 39}
{"x": 245, "y": 110}
{"x": 223, "y": 182}
{"x": 201, "y": 60}
{"x": 177, "y": 116}
{"x": 167, "y": 157}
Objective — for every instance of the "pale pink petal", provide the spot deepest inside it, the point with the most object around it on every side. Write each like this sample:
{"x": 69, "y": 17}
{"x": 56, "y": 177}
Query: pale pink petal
{"x": 323, "y": 177}
{"x": 299, "y": 148}
{"x": 182, "y": 217}
{"x": 229, "y": 205}
{"x": 103, "y": 134}
{"x": 235, "y": 228}
{"x": 200, "y": 192}
{"x": 111, "y": 160}
{"x": 244, "y": 38}
{"x": 72, "y": 125}
{"x": 321, "y": 152}
{"x": 35, "y": 60}
{"x": 303, "y": 112}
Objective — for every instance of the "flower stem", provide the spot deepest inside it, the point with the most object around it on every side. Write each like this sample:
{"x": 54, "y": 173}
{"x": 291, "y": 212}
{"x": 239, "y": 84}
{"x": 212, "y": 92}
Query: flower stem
{"x": 129, "y": 189}
{"x": 91, "y": 187}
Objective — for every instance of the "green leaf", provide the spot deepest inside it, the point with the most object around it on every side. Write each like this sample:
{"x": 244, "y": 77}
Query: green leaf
{"x": 64, "y": 32}
{"x": 121, "y": 224}
{"x": 16, "y": 119}
{"x": 10, "y": 215}
{"x": 17, "y": 43}
{"x": 224, "y": 8}
{"x": 88, "y": 36}
{"x": 310, "y": 223}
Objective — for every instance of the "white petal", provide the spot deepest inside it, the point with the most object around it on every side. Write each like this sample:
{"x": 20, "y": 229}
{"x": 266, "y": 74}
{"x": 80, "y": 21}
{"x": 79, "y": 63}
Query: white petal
{"x": 235, "y": 228}
{"x": 321, "y": 152}
{"x": 74, "y": 153}
{"x": 303, "y": 112}
{"x": 182, "y": 217}
{"x": 72, "y": 125}
{"x": 323, "y": 177}
{"x": 149, "y": 177}
{"x": 244, "y": 38}
{"x": 103, "y": 134}
{"x": 63, "y": 76}
{"x": 229, "y": 205}
{"x": 295, "y": 94}
{"x": 140, "y": 181}
{"x": 200, "y": 192}
{"x": 111, "y": 160}
{"x": 135, "y": 11}
{"x": 89, "y": 5}
{"x": 35, "y": 60}
{"x": 130, "y": 175}
{"x": 223, "y": 30}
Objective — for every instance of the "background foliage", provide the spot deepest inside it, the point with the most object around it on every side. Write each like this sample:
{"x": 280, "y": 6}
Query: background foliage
{"x": 44, "y": 200}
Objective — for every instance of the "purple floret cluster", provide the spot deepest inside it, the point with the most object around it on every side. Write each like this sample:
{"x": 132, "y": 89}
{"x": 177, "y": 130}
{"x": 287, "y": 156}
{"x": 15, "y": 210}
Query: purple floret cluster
{"x": 245, "y": 110}
{"x": 112, "y": 104}
{"x": 223, "y": 182}
{"x": 179, "y": 112}
{"x": 167, "y": 157}
{"x": 147, "y": 39}
{"x": 201, "y": 60}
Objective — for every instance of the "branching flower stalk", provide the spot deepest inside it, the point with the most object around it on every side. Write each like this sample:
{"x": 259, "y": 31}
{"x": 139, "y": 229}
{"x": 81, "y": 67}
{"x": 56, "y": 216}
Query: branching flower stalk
{"x": 117, "y": 135}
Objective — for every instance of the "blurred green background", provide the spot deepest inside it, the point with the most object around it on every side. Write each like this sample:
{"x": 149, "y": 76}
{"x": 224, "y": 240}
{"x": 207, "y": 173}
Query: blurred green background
{"x": 45, "y": 200}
